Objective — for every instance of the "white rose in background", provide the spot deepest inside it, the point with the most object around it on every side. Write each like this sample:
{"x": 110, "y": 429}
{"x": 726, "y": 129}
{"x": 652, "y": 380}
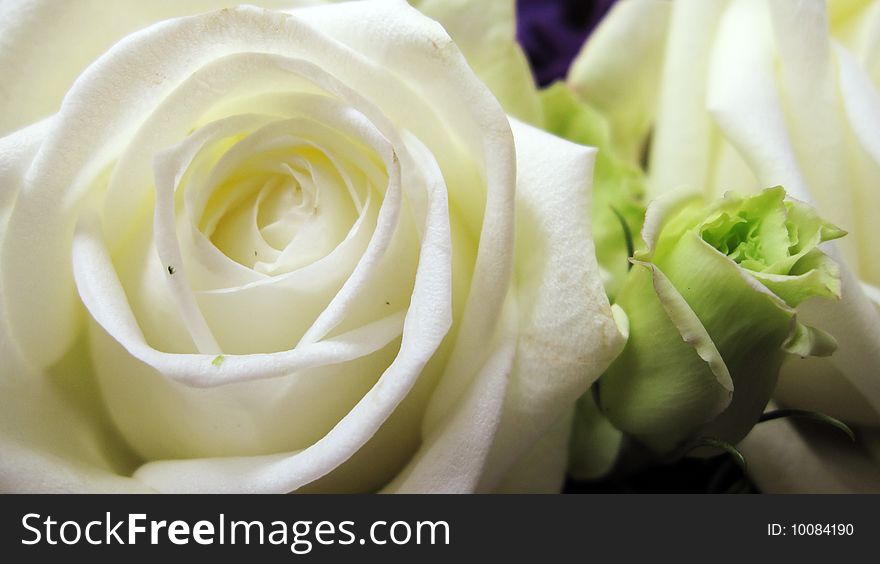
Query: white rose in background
{"x": 258, "y": 251}
{"x": 746, "y": 94}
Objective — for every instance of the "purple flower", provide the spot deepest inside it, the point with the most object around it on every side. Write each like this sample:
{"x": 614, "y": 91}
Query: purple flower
{"x": 553, "y": 31}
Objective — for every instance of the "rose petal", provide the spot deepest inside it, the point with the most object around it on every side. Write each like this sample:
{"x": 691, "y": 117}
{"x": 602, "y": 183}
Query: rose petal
{"x": 70, "y": 41}
{"x": 55, "y": 191}
{"x": 684, "y": 136}
{"x": 861, "y": 102}
{"x": 618, "y": 70}
{"x": 48, "y": 442}
{"x": 542, "y": 469}
{"x": 453, "y": 455}
{"x": 485, "y": 32}
{"x": 783, "y": 460}
{"x": 426, "y": 325}
{"x": 742, "y": 99}
{"x": 565, "y": 320}
{"x": 855, "y": 324}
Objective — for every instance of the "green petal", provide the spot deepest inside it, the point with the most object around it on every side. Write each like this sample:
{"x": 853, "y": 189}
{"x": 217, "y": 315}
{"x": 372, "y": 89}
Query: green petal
{"x": 807, "y": 341}
{"x": 747, "y": 323}
{"x": 816, "y": 274}
{"x": 667, "y": 218}
{"x": 595, "y": 442}
{"x": 571, "y": 118}
{"x": 776, "y": 241}
{"x": 659, "y": 389}
{"x": 750, "y": 229}
{"x": 689, "y": 327}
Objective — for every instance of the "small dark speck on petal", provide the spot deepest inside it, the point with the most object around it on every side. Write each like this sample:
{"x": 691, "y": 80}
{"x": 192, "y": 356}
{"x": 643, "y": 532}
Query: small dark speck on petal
{"x": 170, "y": 270}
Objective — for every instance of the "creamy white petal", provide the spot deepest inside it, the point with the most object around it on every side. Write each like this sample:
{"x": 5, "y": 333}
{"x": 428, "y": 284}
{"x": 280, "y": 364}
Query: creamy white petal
{"x": 861, "y": 102}
{"x": 69, "y": 40}
{"x": 55, "y": 435}
{"x": 17, "y": 150}
{"x": 49, "y": 442}
{"x": 684, "y": 136}
{"x": 542, "y": 470}
{"x": 104, "y": 297}
{"x": 566, "y": 333}
{"x": 486, "y": 34}
{"x": 480, "y": 124}
{"x": 50, "y": 446}
{"x": 816, "y": 384}
{"x": 857, "y": 26}
{"x": 743, "y": 100}
{"x": 855, "y": 324}
{"x": 85, "y": 136}
{"x": 427, "y": 322}
{"x": 453, "y": 455}
{"x": 619, "y": 69}
{"x": 783, "y": 459}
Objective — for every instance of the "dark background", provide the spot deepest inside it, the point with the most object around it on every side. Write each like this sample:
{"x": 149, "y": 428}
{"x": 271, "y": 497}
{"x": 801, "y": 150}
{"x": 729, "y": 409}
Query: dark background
{"x": 552, "y": 32}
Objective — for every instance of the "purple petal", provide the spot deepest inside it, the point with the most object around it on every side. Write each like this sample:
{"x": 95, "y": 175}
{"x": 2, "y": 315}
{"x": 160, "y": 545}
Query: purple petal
{"x": 553, "y": 31}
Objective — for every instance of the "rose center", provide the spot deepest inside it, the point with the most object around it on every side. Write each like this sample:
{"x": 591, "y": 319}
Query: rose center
{"x": 283, "y": 197}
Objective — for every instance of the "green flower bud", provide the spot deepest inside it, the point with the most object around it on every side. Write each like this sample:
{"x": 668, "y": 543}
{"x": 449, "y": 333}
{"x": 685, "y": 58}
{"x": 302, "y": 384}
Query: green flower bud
{"x": 711, "y": 304}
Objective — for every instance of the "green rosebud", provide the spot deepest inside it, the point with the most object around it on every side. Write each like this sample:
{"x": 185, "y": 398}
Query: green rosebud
{"x": 710, "y": 303}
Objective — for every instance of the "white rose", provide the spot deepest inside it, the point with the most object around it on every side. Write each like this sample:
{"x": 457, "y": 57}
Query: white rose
{"x": 746, "y": 94}
{"x": 264, "y": 251}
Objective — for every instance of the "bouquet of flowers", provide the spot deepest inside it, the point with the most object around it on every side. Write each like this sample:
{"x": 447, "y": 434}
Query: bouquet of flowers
{"x": 439, "y": 246}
